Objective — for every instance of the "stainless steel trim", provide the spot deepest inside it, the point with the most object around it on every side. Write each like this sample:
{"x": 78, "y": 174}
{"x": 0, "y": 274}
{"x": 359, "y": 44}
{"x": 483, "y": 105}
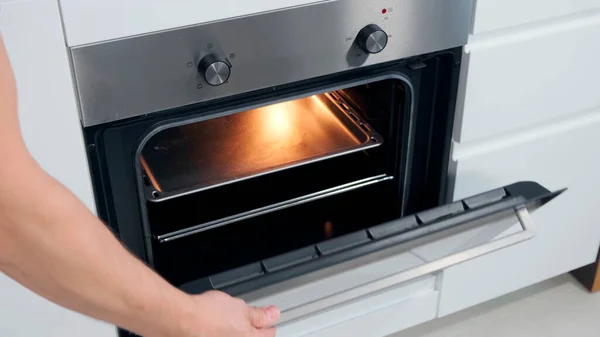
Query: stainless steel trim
{"x": 386, "y": 283}
{"x": 150, "y": 73}
{"x": 271, "y": 208}
{"x": 460, "y": 100}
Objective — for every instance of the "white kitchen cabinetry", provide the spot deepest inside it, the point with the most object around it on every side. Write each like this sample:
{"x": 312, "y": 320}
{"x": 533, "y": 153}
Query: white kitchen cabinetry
{"x": 387, "y": 320}
{"x": 497, "y": 14}
{"x": 568, "y": 231}
{"x": 530, "y": 111}
{"x": 89, "y": 21}
{"x": 377, "y": 315}
{"x": 32, "y": 33}
{"x": 520, "y": 79}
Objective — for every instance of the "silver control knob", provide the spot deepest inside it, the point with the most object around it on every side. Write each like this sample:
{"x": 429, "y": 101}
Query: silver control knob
{"x": 372, "y": 39}
{"x": 215, "y": 69}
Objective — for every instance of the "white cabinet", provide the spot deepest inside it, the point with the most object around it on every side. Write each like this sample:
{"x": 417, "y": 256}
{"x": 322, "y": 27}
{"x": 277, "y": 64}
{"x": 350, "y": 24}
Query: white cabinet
{"x": 497, "y": 14}
{"x": 32, "y": 33}
{"x": 568, "y": 234}
{"x": 530, "y": 111}
{"x": 25, "y": 314}
{"x": 377, "y": 315}
{"x": 89, "y": 21}
{"x": 521, "y": 79}
{"x": 387, "y": 320}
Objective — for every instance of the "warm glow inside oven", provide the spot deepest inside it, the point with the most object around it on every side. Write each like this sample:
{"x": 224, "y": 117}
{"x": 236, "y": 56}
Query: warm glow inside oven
{"x": 245, "y": 185}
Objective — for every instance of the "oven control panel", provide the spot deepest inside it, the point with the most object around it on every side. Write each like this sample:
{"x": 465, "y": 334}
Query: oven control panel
{"x": 216, "y": 69}
{"x": 146, "y": 74}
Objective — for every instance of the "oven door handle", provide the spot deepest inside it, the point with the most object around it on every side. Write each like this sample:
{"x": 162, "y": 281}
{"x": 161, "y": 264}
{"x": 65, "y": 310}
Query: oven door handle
{"x": 386, "y": 283}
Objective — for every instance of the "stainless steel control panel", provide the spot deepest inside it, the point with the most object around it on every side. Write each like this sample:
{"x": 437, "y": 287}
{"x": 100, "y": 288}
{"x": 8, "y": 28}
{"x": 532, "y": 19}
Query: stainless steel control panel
{"x": 154, "y": 72}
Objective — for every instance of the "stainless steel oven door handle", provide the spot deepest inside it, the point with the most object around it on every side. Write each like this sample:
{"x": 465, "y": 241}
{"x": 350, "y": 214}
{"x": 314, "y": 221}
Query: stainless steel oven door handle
{"x": 386, "y": 283}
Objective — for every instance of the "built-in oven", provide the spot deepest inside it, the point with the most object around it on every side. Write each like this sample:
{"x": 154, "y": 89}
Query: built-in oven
{"x": 271, "y": 150}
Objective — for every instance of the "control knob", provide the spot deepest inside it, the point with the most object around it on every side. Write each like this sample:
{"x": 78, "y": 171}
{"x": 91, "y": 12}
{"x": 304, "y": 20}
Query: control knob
{"x": 372, "y": 39}
{"x": 215, "y": 69}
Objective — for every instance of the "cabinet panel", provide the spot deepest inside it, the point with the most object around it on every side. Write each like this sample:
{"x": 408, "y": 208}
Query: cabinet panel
{"x": 25, "y": 314}
{"x": 568, "y": 232}
{"x": 88, "y": 21}
{"x": 387, "y": 320}
{"x": 497, "y": 14}
{"x": 515, "y": 82}
{"x": 402, "y": 307}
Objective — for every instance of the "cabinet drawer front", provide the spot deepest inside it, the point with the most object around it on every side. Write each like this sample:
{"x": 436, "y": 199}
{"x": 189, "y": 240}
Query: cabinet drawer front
{"x": 95, "y": 21}
{"x": 417, "y": 295}
{"x": 385, "y": 321}
{"x": 567, "y": 234}
{"x": 497, "y": 14}
{"x": 515, "y": 83}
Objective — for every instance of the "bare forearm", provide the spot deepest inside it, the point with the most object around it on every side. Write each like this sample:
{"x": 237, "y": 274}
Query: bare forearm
{"x": 61, "y": 251}
{"x": 52, "y": 244}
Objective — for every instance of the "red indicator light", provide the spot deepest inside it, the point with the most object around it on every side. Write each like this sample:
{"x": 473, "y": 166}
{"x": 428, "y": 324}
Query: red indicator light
{"x": 383, "y": 11}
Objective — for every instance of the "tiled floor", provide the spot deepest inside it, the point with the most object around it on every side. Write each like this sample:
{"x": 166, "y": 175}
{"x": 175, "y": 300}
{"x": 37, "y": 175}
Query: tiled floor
{"x": 555, "y": 308}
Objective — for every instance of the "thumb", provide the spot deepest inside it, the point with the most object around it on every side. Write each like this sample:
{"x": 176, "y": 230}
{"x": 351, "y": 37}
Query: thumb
{"x": 263, "y": 317}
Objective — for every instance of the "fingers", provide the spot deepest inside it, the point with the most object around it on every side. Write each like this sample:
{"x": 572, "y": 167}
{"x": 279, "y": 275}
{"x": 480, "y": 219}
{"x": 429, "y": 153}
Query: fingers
{"x": 271, "y": 332}
{"x": 263, "y": 317}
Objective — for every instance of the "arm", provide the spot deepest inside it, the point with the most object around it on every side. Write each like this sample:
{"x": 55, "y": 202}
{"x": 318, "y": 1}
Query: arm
{"x": 52, "y": 244}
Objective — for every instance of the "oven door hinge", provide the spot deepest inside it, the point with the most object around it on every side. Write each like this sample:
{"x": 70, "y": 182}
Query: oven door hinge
{"x": 416, "y": 65}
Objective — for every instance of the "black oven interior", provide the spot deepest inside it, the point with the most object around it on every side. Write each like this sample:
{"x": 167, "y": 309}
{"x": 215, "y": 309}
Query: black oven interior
{"x": 259, "y": 183}
{"x": 203, "y": 189}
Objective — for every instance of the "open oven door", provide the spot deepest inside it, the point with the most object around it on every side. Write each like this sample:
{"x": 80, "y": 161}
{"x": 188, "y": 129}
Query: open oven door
{"x": 346, "y": 270}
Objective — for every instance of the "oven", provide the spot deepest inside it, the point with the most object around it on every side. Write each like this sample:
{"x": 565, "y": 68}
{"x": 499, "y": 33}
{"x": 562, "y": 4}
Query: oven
{"x": 266, "y": 154}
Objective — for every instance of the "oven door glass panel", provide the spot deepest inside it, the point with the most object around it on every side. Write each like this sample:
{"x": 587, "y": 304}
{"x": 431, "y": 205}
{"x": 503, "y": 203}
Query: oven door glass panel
{"x": 306, "y": 265}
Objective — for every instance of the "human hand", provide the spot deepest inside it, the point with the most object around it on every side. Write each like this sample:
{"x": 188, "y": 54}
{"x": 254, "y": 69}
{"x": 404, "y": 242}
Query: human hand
{"x": 220, "y": 315}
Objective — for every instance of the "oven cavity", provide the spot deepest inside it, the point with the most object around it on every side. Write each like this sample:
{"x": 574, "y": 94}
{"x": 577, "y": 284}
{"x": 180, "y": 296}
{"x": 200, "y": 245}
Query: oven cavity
{"x": 227, "y": 190}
